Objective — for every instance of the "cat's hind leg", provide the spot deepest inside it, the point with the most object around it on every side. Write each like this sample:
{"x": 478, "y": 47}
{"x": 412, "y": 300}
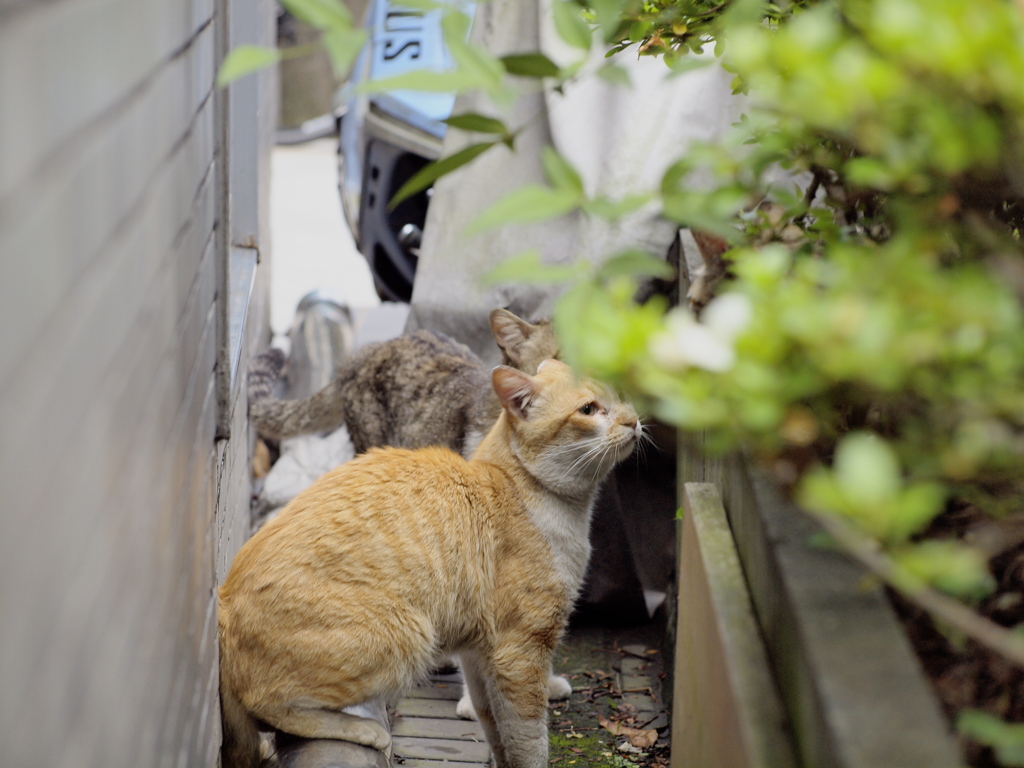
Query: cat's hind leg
{"x": 475, "y": 703}
{"x": 311, "y": 722}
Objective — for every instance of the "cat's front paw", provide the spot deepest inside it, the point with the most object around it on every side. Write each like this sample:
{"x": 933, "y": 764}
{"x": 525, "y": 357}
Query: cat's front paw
{"x": 464, "y": 708}
{"x": 558, "y": 688}
{"x": 369, "y": 733}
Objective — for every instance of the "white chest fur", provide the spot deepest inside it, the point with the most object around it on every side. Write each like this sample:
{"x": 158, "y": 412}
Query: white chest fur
{"x": 566, "y": 528}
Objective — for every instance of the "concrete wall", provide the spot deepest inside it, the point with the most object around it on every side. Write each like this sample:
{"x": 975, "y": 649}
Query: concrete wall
{"x": 124, "y": 477}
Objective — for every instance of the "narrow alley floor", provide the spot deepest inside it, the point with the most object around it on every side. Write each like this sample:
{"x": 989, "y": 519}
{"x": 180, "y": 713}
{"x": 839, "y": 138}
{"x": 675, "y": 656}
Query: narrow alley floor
{"x": 617, "y": 716}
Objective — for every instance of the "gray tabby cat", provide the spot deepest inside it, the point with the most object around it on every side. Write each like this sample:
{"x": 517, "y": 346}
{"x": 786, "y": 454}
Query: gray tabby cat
{"x": 413, "y": 391}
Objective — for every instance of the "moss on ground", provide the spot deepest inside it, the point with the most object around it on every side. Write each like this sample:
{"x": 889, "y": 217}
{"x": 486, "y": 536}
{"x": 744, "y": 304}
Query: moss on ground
{"x": 591, "y": 658}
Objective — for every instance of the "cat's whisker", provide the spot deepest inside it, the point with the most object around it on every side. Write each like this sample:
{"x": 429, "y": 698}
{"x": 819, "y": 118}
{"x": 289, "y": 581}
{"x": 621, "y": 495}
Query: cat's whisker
{"x": 586, "y": 444}
{"x": 598, "y": 451}
{"x": 645, "y": 442}
{"x": 582, "y": 461}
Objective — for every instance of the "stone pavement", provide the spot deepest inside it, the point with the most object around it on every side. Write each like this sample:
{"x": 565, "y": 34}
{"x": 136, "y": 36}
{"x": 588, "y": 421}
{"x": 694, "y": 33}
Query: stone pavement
{"x": 428, "y": 734}
{"x": 617, "y": 679}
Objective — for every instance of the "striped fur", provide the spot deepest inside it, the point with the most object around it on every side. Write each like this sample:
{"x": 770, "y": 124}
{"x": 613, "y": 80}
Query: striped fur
{"x": 416, "y": 390}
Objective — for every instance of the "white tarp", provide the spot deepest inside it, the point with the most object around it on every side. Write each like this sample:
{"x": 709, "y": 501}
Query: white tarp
{"x": 621, "y": 140}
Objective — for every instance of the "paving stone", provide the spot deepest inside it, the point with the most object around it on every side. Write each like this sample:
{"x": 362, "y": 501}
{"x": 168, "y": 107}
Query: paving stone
{"x": 639, "y": 651}
{"x": 425, "y": 707}
{"x": 438, "y": 728}
{"x": 418, "y": 763}
{"x": 441, "y": 749}
{"x": 634, "y": 666}
{"x": 452, "y": 691}
{"x": 638, "y": 683}
{"x": 641, "y": 702}
{"x": 659, "y": 722}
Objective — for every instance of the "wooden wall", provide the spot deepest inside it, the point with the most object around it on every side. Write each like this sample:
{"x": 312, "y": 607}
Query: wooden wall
{"x": 121, "y": 502}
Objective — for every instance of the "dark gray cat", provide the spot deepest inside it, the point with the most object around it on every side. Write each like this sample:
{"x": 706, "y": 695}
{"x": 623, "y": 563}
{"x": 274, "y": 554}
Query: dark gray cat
{"x": 416, "y": 390}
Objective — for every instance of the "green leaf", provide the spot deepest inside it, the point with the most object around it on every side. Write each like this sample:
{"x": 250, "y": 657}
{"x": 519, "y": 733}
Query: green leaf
{"x": 472, "y": 121}
{"x": 638, "y": 30}
{"x": 526, "y": 204}
{"x": 570, "y": 24}
{"x": 322, "y": 14}
{"x": 953, "y": 567}
{"x": 744, "y": 12}
{"x": 616, "y": 75}
{"x": 528, "y": 269}
{"x": 609, "y": 14}
{"x": 455, "y": 25}
{"x": 1007, "y": 739}
{"x": 343, "y": 47}
{"x": 471, "y": 59}
{"x": 674, "y": 175}
{"x": 452, "y": 81}
{"x": 560, "y": 172}
{"x": 917, "y": 506}
{"x": 479, "y": 64}
{"x": 870, "y": 172}
{"x": 635, "y": 264}
{"x": 244, "y": 60}
{"x": 612, "y": 210}
{"x": 866, "y": 467}
{"x": 530, "y": 65}
{"x": 431, "y": 172}
{"x": 680, "y": 65}
{"x": 706, "y": 212}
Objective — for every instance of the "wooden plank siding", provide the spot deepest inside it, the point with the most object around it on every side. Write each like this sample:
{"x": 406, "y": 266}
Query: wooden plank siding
{"x": 119, "y": 508}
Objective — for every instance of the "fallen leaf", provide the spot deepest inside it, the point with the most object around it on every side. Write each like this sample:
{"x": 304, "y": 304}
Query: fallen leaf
{"x": 638, "y": 737}
{"x": 577, "y": 750}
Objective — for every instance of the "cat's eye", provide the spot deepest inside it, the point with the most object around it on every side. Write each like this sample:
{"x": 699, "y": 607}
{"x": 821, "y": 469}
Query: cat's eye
{"x": 589, "y": 409}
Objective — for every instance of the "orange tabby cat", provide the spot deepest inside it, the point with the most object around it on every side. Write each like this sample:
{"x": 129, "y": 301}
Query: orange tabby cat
{"x": 400, "y": 557}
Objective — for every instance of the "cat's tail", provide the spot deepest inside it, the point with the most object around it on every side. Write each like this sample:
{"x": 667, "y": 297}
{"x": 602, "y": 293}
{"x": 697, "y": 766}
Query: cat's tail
{"x": 264, "y": 371}
{"x": 241, "y": 745}
{"x": 274, "y": 418}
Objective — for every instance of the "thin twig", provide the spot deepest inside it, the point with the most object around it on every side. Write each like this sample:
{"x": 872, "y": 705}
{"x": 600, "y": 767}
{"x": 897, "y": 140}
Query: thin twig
{"x": 975, "y": 626}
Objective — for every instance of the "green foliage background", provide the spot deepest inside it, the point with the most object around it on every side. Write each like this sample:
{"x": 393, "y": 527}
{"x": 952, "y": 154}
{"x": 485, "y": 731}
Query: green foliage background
{"x": 886, "y": 285}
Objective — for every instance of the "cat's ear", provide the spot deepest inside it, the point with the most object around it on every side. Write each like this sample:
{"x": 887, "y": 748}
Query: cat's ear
{"x": 515, "y": 390}
{"x": 511, "y": 333}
